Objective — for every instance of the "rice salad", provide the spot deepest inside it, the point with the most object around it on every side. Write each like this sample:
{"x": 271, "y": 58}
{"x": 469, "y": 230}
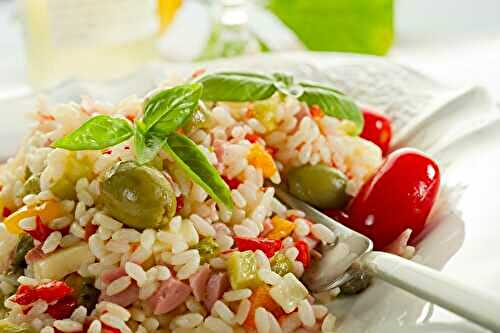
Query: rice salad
{"x": 158, "y": 214}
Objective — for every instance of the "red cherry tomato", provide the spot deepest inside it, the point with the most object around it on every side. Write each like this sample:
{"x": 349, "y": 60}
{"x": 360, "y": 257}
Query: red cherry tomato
{"x": 377, "y": 129}
{"x": 399, "y": 196}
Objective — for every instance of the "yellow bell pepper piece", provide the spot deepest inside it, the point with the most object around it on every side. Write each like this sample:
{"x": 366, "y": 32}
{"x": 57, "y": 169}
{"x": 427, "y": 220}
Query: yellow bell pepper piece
{"x": 282, "y": 228}
{"x": 47, "y": 211}
{"x": 261, "y": 159}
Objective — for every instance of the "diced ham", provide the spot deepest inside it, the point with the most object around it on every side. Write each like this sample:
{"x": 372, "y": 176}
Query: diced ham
{"x": 216, "y": 286}
{"x": 125, "y": 298}
{"x": 168, "y": 296}
{"x": 198, "y": 282}
{"x": 110, "y": 275}
{"x": 34, "y": 255}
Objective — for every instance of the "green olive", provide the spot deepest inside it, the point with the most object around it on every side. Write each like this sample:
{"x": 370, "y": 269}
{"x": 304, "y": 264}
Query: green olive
{"x": 137, "y": 195}
{"x": 319, "y": 185}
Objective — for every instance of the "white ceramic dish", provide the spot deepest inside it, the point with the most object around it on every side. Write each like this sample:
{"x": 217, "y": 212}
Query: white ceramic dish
{"x": 458, "y": 126}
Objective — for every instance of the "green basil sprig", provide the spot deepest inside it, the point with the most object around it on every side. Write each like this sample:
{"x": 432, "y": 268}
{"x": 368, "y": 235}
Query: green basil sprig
{"x": 164, "y": 113}
{"x": 194, "y": 162}
{"x": 99, "y": 132}
{"x": 333, "y": 103}
{"x": 247, "y": 87}
{"x": 236, "y": 87}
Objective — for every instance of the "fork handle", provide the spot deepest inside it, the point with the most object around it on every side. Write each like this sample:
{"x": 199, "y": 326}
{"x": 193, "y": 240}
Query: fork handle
{"x": 435, "y": 287}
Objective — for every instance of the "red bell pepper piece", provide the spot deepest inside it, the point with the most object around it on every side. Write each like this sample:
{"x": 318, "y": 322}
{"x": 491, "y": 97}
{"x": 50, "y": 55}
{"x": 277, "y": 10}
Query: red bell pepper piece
{"x": 41, "y": 232}
{"x": 109, "y": 329}
{"x": 63, "y": 308}
{"x": 179, "y": 204}
{"x": 304, "y": 255}
{"x": 6, "y": 212}
{"x": 49, "y": 292}
{"x": 377, "y": 129}
{"x": 232, "y": 183}
{"x": 268, "y": 246}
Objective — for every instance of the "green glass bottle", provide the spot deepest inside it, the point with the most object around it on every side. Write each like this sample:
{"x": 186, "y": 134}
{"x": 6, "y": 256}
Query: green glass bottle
{"x": 361, "y": 26}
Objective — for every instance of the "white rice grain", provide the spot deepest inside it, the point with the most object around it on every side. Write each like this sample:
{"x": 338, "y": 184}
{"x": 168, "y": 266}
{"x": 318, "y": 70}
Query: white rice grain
{"x": 151, "y": 324}
{"x": 129, "y": 235}
{"x": 136, "y": 272}
{"x": 148, "y": 237}
{"x": 223, "y": 311}
{"x": 323, "y": 233}
{"x": 60, "y": 223}
{"x": 306, "y": 313}
{"x": 217, "y": 325}
{"x": 269, "y": 277}
{"x": 28, "y": 223}
{"x": 28, "y": 281}
{"x": 320, "y": 311}
{"x": 52, "y": 242}
{"x": 189, "y": 320}
{"x": 76, "y": 230}
{"x": 301, "y": 228}
{"x": 291, "y": 323}
{"x": 292, "y": 253}
{"x": 68, "y": 325}
{"x": 262, "y": 260}
{"x": 118, "y": 285}
{"x": 79, "y": 314}
{"x": 147, "y": 290}
{"x": 262, "y": 323}
{"x": 242, "y": 312}
{"x": 95, "y": 327}
{"x": 107, "y": 222}
{"x": 117, "y": 310}
{"x": 274, "y": 325}
{"x": 202, "y": 226}
{"x": 47, "y": 329}
{"x": 237, "y": 295}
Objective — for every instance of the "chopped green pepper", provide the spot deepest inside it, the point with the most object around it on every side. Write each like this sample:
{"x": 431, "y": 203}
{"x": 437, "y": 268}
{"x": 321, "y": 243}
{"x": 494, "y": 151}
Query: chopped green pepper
{"x": 30, "y": 186}
{"x": 280, "y": 264}
{"x": 242, "y": 269}
{"x": 207, "y": 248}
{"x": 24, "y": 244}
{"x": 74, "y": 169}
{"x": 84, "y": 291}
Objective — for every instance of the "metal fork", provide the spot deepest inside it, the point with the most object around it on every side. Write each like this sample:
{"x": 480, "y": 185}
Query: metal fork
{"x": 352, "y": 251}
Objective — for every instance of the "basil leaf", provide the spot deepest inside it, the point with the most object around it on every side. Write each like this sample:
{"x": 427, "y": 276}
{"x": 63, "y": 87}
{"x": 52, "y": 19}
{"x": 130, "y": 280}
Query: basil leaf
{"x": 286, "y": 85}
{"x": 167, "y": 110}
{"x": 147, "y": 145}
{"x": 96, "y": 133}
{"x": 236, "y": 87}
{"x": 333, "y": 103}
{"x": 194, "y": 162}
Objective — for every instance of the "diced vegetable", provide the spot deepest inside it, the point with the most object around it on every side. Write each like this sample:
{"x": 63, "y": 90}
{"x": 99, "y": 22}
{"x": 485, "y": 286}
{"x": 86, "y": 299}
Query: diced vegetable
{"x": 242, "y": 269}
{"x": 24, "y": 244}
{"x": 47, "y": 211}
{"x": 319, "y": 185}
{"x": 304, "y": 255}
{"x": 74, "y": 169}
{"x": 189, "y": 233}
{"x": 137, "y": 195}
{"x": 83, "y": 291}
{"x": 265, "y": 113}
{"x": 288, "y": 293}
{"x": 49, "y": 292}
{"x": 8, "y": 327}
{"x": 261, "y": 159}
{"x": 62, "y": 262}
{"x": 280, "y": 264}
{"x": 207, "y": 248}
{"x": 377, "y": 129}
{"x": 268, "y": 246}
{"x": 260, "y": 298}
{"x": 63, "y": 308}
{"x": 30, "y": 186}
{"x": 41, "y": 232}
{"x": 281, "y": 228}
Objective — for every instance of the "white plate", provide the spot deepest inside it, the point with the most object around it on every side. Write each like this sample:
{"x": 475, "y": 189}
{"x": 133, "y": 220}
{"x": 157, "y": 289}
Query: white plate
{"x": 463, "y": 230}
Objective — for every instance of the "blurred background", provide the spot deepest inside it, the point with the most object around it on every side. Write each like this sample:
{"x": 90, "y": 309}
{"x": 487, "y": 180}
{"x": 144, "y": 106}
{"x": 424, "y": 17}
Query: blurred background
{"x": 44, "y": 42}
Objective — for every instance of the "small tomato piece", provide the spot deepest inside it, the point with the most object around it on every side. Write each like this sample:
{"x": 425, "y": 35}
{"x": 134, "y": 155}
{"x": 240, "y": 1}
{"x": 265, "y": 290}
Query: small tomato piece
{"x": 268, "y": 246}
{"x": 377, "y": 129}
{"x": 63, "y": 308}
